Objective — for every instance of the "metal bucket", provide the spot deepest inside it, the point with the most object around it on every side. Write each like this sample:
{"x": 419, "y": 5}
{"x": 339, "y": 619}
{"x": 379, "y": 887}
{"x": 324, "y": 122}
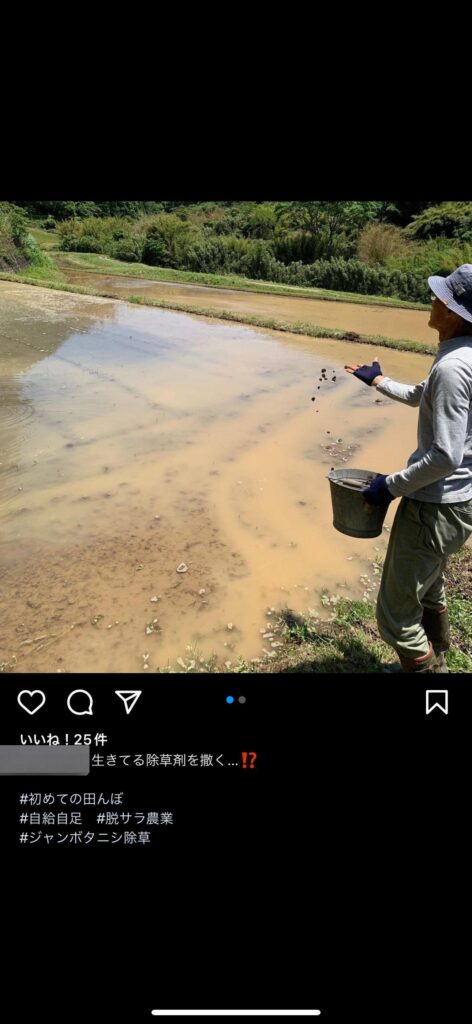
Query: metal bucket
{"x": 351, "y": 514}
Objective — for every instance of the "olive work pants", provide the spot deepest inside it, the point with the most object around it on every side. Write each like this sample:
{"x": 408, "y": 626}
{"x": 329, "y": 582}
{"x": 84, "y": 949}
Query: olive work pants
{"x": 423, "y": 534}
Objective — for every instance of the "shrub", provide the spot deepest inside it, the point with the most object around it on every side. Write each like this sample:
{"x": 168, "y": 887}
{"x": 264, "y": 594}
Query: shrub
{"x": 155, "y": 252}
{"x": 230, "y": 254}
{"x": 94, "y": 234}
{"x": 176, "y": 236}
{"x": 377, "y": 242}
{"x": 357, "y": 277}
{"x": 128, "y": 249}
{"x": 435, "y": 256}
{"x": 260, "y": 222}
{"x": 257, "y": 261}
{"x": 15, "y": 242}
{"x": 298, "y": 247}
{"x": 85, "y": 243}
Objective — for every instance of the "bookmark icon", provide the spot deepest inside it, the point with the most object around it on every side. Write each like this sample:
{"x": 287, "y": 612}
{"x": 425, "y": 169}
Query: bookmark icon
{"x": 441, "y": 702}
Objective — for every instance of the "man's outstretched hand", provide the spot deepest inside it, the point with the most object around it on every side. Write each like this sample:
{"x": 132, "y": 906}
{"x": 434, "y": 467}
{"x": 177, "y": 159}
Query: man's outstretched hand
{"x": 365, "y": 373}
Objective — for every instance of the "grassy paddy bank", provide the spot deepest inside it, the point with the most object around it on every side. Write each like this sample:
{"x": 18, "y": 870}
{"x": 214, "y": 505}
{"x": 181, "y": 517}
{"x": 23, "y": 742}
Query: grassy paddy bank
{"x": 348, "y": 641}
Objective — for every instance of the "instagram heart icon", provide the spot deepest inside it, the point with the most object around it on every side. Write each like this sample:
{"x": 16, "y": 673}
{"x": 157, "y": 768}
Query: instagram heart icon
{"x": 33, "y": 702}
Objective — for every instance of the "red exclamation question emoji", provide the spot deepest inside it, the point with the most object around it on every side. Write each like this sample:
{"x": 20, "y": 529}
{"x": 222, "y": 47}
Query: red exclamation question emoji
{"x": 244, "y": 756}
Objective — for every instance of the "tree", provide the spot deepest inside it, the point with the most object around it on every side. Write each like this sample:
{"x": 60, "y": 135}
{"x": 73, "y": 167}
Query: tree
{"x": 302, "y": 216}
{"x": 401, "y": 211}
{"x": 58, "y": 208}
{"x": 261, "y": 221}
{"x": 453, "y": 220}
{"x": 326, "y": 228}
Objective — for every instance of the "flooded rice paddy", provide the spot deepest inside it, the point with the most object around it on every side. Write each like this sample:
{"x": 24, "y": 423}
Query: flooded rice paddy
{"x": 346, "y": 316}
{"x": 163, "y": 480}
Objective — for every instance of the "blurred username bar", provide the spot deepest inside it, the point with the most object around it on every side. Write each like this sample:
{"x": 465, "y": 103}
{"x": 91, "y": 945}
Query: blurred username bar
{"x": 43, "y": 759}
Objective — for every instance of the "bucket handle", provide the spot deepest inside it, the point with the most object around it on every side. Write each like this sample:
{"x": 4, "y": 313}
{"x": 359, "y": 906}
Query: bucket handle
{"x": 358, "y": 484}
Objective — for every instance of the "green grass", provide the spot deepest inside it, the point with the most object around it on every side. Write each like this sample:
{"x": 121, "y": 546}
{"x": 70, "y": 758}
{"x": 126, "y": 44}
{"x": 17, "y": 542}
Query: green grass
{"x": 105, "y": 264}
{"x": 354, "y": 612}
{"x": 459, "y": 589}
{"x": 42, "y": 270}
{"x": 39, "y": 277}
{"x": 46, "y": 240}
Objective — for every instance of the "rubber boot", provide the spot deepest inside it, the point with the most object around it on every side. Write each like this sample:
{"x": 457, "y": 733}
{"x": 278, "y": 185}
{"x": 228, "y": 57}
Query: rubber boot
{"x": 436, "y": 626}
{"x": 425, "y": 663}
{"x": 429, "y": 662}
{"x": 441, "y": 664}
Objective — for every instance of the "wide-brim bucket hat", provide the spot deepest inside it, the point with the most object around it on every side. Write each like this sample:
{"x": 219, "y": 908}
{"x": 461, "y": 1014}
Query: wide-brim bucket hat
{"x": 456, "y": 290}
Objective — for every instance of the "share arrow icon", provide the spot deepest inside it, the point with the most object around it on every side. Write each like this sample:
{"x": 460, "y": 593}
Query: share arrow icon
{"x": 129, "y": 698}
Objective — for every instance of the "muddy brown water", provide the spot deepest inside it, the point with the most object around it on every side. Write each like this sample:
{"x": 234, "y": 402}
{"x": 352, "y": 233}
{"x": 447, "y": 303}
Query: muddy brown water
{"x": 133, "y": 440}
{"x": 346, "y": 316}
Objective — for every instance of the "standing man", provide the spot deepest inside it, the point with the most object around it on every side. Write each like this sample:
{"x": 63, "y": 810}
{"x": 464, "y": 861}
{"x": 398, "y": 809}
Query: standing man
{"x": 434, "y": 518}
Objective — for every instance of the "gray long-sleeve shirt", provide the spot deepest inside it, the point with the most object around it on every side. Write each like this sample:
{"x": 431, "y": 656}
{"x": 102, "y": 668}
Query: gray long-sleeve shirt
{"x": 440, "y": 470}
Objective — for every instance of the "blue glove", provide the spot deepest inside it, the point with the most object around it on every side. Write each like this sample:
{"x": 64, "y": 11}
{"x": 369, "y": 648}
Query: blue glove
{"x": 378, "y": 493}
{"x": 368, "y": 373}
